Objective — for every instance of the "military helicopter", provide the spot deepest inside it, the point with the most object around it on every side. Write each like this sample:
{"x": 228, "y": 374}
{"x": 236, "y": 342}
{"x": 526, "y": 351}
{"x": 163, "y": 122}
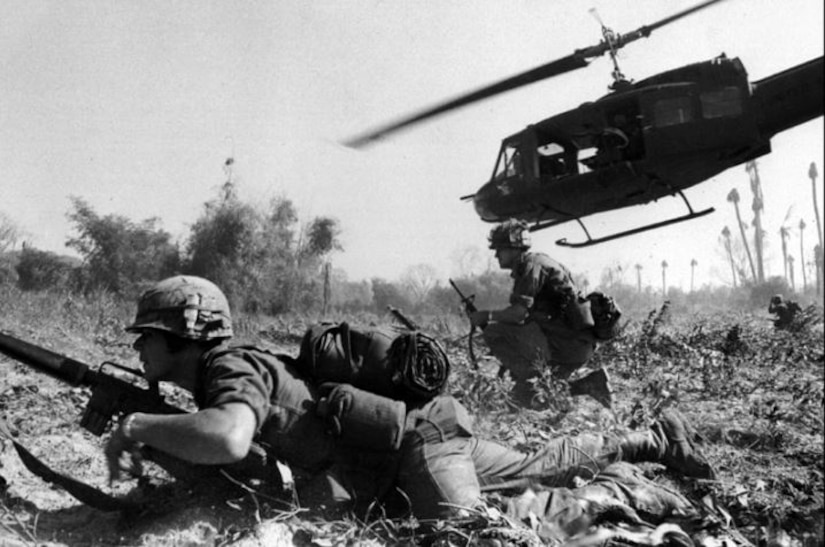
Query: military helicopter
{"x": 642, "y": 141}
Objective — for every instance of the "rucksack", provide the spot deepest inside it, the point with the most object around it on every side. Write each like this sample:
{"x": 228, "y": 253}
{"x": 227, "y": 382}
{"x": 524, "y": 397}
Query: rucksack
{"x": 606, "y": 315}
{"x": 335, "y": 352}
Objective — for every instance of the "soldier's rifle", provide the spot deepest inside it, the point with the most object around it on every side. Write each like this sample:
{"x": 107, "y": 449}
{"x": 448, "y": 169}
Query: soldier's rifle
{"x": 116, "y": 391}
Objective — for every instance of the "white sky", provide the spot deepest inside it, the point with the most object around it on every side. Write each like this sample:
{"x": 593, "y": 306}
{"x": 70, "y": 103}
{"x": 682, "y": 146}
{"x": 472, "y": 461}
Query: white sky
{"x": 134, "y": 106}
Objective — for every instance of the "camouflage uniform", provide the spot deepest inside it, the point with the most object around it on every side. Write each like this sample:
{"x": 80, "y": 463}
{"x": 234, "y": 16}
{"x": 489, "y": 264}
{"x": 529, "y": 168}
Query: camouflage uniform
{"x": 545, "y": 287}
{"x": 439, "y": 460}
{"x": 335, "y": 436}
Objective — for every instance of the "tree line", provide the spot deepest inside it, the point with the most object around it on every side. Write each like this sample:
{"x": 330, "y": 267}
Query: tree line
{"x": 269, "y": 262}
{"x": 261, "y": 256}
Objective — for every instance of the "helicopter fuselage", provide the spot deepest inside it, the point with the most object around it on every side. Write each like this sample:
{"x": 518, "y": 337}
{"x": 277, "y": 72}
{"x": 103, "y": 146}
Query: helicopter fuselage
{"x": 646, "y": 140}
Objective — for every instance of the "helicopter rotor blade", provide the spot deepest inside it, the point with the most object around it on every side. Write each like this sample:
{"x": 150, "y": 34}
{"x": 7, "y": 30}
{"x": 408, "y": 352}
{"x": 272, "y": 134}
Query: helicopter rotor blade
{"x": 548, "y": 70}
{"x": 578, "y": 59}
{"x": 643, "y": 31}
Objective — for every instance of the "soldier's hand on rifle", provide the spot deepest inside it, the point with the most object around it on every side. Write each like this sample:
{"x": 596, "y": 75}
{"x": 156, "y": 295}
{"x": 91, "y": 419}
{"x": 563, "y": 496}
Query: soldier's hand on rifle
{"x": 480, "y": 318}
{"x": 122, "y": 453}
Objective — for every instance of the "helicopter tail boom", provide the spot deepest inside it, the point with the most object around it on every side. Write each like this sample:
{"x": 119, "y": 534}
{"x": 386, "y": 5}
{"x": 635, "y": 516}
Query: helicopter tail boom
{"x": 789, "y": 98}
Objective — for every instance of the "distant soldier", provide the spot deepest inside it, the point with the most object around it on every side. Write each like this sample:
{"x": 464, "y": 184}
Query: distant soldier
{"x": 785, "y": 311}
{"x": 547, "y": 321}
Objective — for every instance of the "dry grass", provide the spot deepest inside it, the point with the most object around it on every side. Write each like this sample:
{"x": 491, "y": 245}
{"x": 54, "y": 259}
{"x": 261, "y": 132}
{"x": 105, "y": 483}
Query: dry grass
{"x": 754, "y": 393}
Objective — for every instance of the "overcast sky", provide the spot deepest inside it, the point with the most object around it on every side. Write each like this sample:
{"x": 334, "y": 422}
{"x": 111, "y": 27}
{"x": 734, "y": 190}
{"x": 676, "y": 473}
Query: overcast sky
{"x": 134, "y": 107}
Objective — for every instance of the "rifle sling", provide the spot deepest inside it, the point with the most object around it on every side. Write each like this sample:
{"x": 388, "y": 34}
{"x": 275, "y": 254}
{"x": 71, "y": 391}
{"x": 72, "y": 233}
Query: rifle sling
{"x": 470, "y": 350}
{"x": 79, "y": 490}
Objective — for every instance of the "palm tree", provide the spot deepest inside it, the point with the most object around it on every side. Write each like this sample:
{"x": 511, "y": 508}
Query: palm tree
{"x": 783, "y": 233}
{"x": 664, "y": 282}
{"x": 757, "y": 206}
{"x": 693, "y": 264}
{"x": 802, "y": 254}
{"x": 733, "y": 197}
{"x": 790, "y": 269}
{"x": 726, "y": 235}
{"x": 639, "y": 278}
{"x": 813, "y": 174}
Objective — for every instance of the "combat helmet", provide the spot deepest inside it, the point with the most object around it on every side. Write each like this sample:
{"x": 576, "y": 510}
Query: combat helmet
{"x": 186, "y": 306}
{"x": 511, "y": 234}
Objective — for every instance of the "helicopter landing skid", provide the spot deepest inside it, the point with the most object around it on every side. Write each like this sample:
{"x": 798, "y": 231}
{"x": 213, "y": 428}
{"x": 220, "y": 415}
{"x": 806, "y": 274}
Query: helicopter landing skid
{"x": 590, "y": 241}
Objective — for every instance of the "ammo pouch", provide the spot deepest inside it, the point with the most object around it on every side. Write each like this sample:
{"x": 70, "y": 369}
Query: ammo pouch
{"x": 361, "y": 419}
{"x": 606, "y": 315}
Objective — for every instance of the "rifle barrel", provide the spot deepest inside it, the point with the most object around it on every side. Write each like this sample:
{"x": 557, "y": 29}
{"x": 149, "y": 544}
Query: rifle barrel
{"x": 58, "y": 366}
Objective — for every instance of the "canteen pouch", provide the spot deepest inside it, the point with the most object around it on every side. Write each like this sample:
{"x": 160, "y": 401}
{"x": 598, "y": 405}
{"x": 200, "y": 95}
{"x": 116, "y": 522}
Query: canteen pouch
{"x": 361, "y": 419}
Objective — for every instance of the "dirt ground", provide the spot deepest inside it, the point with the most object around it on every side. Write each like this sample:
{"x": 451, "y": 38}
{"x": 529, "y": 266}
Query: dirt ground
{"x": 759, "y": 408}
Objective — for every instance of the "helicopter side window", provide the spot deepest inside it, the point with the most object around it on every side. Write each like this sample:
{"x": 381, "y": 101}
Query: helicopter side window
{"x": 672, "y": 111}
{"x": 724, "y": 103}
{"x": 551, "y": 160}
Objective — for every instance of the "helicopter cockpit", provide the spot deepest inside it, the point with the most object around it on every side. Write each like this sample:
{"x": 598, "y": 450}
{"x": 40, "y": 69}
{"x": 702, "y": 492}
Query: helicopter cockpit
{"x": 530, "y": 158}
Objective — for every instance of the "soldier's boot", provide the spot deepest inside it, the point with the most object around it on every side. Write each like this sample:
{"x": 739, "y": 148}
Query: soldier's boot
{"x": 670, "y": 441}
{"x": 596, "y": 384}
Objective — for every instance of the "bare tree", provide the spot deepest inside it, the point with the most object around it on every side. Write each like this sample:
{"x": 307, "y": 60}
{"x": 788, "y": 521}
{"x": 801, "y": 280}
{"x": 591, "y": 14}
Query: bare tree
{"x": 420, "y": 279}
{"x": 639, "y": 278}
{"x": 9, "y": 233}
{"x": 733, "y": 197}
{"x": 790, "y": 269}
{"x": 467, "y": 260}
{"x": 726, "y": 236}
{"x": 813, "y": 174}
{"x": 693, "y": 264}
{"x": 664, "y": 279}
{"x": 783, "y": 233}
{"x": 802, "y": 254}
{"x": 758, "y": 205}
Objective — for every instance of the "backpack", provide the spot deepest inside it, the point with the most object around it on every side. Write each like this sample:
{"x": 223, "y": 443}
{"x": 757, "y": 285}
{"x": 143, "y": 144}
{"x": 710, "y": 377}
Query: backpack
{"x": 335, "y": 352}
{"x": 606, "y": 315}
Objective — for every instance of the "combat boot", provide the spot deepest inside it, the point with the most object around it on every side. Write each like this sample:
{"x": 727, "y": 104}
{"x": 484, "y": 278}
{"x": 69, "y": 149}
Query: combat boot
{"x": 670, "y": 442}
{"x": 596, "y": 384}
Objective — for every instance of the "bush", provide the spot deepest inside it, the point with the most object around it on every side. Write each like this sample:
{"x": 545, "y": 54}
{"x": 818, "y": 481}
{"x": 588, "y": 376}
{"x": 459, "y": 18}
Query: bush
{"x": 120, "y": 256}
{"x": 39, "y": 270}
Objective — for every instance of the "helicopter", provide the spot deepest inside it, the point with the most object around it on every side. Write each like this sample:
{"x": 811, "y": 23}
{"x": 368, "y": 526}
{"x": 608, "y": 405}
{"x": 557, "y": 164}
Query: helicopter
{"x": 642, "y": 141}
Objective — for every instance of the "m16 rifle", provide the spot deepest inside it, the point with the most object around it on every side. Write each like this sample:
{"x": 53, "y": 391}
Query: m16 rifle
{"x": 116, "y": 391}
{"x": 469, "y": 307}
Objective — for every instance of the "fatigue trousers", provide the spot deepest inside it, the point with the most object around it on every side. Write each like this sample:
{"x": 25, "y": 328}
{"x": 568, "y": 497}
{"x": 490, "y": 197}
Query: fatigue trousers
{"x": 441, "y": 476}
{"x": 620, "y": 489}
{"x": 524, "y": 349}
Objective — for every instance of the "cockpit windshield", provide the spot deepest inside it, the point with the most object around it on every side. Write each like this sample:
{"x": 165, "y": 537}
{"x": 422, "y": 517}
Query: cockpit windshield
{"x": 509, "y": 162}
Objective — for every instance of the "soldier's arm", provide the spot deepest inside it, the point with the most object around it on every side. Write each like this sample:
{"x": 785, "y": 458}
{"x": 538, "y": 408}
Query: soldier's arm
{"x": 513, "y": 314}
{"x": 212, "y": 436}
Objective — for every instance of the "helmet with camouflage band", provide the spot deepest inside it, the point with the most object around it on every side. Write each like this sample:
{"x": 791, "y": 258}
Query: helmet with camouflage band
{"x": 511, "y": 234}
{"x": 187, "y": 306}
